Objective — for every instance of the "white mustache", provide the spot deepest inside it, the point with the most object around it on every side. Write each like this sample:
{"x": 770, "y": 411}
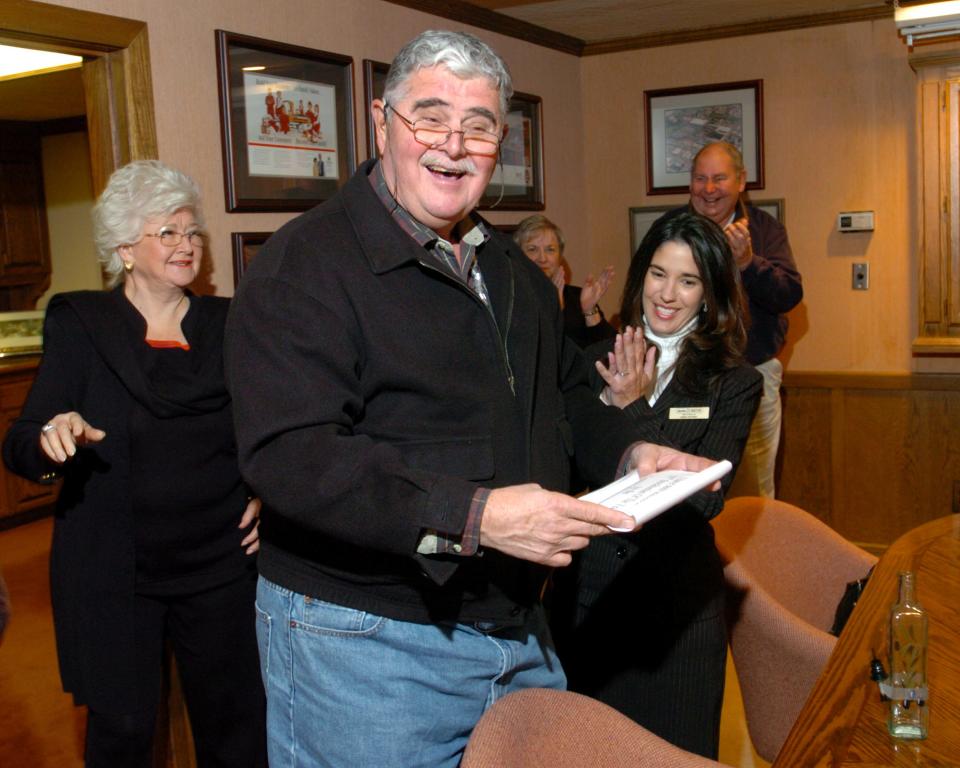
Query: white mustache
{"x": 464, "y": 165}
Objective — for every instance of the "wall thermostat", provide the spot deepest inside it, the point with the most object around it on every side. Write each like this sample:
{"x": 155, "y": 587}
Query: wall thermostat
{"x": 855, "y": 221}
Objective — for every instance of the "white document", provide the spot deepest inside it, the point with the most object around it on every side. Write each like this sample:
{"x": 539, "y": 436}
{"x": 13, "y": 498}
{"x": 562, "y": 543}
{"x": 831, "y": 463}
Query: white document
{"x": 646, "y": 497}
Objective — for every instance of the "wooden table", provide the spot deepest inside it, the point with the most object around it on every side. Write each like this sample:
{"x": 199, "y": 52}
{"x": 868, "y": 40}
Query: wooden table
{"x": 843, "y": 722}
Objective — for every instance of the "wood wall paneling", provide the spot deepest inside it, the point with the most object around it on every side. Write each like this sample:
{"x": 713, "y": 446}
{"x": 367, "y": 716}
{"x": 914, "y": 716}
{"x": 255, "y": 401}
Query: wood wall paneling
{"x": 873, "y": 456}
{"x": 806, "y": 450}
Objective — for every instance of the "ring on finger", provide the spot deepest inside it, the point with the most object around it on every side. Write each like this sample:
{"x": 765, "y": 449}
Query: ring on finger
{"x": 621, "y": 373}
{"x": 47, "y": 427}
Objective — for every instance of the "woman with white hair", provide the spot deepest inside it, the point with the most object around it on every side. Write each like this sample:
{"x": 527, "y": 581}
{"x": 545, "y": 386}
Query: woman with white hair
{"x": 155, "y": 530}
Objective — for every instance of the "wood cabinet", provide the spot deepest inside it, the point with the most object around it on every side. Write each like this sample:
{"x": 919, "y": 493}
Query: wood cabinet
{"x": 16, "y": 494}
{"x": 938, "y": 76}
{"x": 24, "y": 243}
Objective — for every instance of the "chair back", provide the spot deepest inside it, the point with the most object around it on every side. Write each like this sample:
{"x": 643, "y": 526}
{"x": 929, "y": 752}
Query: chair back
{"x": 785, "y": 572}
{"x": 802, "y": 562}
{"x": 544, "y": 728}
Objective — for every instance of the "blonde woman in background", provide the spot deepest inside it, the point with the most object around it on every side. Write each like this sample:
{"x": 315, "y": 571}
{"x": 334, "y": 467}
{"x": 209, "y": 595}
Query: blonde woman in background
{"x": 542, "y": 242}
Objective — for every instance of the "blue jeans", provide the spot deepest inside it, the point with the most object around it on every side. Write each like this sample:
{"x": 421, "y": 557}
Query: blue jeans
{"x": 349, "y": 689}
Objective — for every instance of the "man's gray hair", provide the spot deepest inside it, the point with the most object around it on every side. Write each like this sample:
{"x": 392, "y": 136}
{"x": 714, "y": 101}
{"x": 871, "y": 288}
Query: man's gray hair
{"x": 732, "y": 152}
{"x": 141, "y": 190}
{"x": 463, "y": 54}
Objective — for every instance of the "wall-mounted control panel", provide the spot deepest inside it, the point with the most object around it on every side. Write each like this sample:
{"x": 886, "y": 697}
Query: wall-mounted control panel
{"x": 855, "y": 221}
{"x": 861, "y": 276}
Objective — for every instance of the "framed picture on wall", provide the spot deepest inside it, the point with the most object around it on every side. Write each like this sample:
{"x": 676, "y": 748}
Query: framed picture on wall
{"x": 679, "y": 121}
{"x": 245, "y": 247}
{"x": 374, "y": 80}
{"x": 21, "y": 333}
{"x": 776, "y": 207}
{"x": 286, "y": 123}
{"x": 517, "y": 182}
{"x": 641, "y": 219}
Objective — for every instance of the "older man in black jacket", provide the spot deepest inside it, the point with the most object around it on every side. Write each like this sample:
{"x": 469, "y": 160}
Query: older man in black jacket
{"x": 407, "y": 408}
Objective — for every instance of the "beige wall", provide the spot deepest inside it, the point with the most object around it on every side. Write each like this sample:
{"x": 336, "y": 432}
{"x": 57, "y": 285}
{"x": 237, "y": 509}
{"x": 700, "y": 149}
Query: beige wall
{"x": 69, "y": 195}
{"x": 182, "y": 53}
{"x": 839, "y": 135}
{"x": 839, "y": 114}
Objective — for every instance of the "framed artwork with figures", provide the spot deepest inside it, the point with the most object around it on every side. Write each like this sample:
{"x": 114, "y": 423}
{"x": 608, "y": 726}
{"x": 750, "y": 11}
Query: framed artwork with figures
{"x": 286, "y": 123}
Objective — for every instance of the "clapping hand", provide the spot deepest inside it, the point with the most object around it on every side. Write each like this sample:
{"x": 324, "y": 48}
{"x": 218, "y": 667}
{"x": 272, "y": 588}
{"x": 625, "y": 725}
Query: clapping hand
{"x": 738, "y": 236}
{"x": 630, "y": 367}
{"x": 594, "y": 288}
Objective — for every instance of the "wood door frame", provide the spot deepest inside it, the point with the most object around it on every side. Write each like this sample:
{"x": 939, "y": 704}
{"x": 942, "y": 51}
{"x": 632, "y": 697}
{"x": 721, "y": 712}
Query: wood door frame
{"x": 118, "y": 87}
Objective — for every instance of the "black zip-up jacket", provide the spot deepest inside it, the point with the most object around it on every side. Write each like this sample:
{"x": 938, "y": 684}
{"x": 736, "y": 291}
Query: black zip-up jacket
{"x": 373, "y": 395}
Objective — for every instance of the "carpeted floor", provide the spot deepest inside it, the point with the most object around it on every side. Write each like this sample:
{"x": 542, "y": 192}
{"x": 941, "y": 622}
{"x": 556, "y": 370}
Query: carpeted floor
{"x": 39, "y": 726}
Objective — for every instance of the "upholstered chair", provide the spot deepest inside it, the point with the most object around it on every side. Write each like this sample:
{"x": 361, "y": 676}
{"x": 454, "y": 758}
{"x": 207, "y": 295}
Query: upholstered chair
{"x": 543, "y": 728}
{"x": 786, "y": 572}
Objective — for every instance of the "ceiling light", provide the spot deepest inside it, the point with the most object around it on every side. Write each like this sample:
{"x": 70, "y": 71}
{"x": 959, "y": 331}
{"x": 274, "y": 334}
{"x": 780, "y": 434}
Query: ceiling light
{"x": 23, "y": 62}
{"x": 928, "y": 20}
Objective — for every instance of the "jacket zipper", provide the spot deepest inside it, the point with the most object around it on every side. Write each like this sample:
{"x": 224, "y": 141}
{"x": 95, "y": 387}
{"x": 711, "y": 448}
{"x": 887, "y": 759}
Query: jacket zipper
{"x": 505, "y": 355}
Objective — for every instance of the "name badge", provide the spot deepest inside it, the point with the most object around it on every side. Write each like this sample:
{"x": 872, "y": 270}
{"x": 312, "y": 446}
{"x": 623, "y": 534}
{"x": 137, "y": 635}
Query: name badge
{"x": 703, "y": 412}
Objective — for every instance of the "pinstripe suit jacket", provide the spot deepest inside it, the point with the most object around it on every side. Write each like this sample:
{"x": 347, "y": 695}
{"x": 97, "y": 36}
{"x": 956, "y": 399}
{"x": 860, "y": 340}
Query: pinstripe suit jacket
{"x": 671, "y": 564}
{"x": 714, "y": 425}
{"x": 639, "y": 618}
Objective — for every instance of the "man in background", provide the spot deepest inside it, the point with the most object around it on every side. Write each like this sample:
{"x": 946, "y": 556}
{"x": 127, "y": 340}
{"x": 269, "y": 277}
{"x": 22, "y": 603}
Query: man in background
{"x": 772, "y": 285}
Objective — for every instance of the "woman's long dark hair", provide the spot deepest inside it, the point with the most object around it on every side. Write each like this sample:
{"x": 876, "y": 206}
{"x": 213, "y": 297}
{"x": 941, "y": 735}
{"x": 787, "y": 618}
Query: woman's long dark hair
{"x": 717, "y": 341}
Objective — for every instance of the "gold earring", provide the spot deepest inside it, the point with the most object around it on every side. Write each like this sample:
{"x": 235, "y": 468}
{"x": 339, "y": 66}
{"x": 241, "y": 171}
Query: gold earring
{"x": 128, "y": 267}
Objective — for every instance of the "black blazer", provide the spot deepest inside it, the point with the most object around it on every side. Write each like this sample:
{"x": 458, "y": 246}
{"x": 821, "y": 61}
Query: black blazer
{"x": 671, "y": 564}
{"x": 91, "y": 365}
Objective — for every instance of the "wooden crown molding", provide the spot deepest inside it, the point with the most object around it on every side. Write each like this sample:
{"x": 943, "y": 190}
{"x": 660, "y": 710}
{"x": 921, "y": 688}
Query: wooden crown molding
{"x": 457, "y": 10}
{"x": 476, "y": 16}
{"x": 736, "y": 30}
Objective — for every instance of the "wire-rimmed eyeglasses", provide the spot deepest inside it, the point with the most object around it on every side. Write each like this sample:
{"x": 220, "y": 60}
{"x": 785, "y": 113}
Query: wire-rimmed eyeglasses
{"x": 171, "y": 238}
{"x": 433, "y": 134}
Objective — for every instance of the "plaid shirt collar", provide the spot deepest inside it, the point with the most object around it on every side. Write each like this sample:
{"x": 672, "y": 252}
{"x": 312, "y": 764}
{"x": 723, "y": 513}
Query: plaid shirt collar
{"x": 441, "y": 249}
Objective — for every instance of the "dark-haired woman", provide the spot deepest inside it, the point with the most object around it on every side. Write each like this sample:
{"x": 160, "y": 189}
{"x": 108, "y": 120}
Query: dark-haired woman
{"x": 640, "y": 618}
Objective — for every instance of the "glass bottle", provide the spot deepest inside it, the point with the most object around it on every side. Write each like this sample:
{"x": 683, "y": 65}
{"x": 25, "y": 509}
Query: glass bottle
{"x": 909, "y": 713}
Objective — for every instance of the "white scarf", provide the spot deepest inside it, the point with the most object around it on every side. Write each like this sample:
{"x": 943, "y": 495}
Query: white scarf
{"x": 669, "y": 347}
